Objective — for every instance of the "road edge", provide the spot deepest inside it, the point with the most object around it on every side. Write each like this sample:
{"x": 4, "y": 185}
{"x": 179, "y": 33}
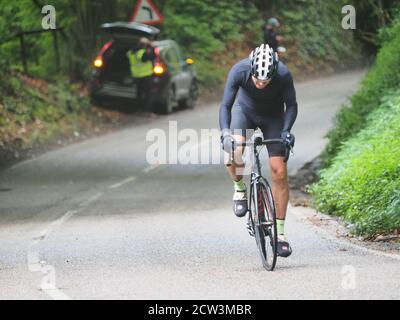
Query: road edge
{"x": 330, "y": 228}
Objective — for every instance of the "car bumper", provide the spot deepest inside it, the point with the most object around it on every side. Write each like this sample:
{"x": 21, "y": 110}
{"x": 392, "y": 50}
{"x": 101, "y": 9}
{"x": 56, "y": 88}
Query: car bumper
{"x": 115, "y": 90}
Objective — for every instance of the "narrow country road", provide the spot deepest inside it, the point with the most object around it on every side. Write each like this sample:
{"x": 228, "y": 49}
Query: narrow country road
{"x": 95, "y": 221}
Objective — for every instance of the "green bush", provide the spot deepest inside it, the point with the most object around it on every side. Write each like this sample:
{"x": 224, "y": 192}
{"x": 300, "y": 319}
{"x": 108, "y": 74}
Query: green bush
{"x": 206, "y": 29}
{"x": 383, "y": 77}
{"x": 363, "y": 183}
{"x": 314, "y": 34}
{"x": 215, "y": 33}
{"x": 35, "y": 112}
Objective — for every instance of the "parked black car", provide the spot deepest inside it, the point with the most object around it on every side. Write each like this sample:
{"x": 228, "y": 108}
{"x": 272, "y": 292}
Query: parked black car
{"x": 174, "y": 78}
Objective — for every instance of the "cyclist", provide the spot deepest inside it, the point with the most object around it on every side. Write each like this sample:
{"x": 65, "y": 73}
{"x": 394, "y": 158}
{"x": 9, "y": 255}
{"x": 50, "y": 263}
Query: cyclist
{"x": 266, "y": 98}
{"x": 270, "y": 33}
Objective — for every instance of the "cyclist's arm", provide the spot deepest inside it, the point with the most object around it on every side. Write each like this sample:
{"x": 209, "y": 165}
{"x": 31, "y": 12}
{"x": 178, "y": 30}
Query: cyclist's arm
{"x": 231, "y": 89}
{"x": 289, "y": 98}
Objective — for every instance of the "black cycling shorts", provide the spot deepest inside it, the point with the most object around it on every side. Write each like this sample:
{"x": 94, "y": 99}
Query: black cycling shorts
{"x": 271, "y": 126}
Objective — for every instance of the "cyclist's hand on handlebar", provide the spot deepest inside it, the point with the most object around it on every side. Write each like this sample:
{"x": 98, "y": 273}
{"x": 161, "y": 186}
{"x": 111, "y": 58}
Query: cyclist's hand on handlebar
{"x": 226, "y": 140}
{"x": 288, "y": 139}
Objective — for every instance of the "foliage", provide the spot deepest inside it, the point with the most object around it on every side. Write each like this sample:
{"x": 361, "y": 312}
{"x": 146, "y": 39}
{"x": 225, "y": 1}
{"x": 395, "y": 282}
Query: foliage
{"x": 363, "y": 182}
{"x": 214, "y": 33}
{"x": 382, "y": 77}
{"x": 206, "y": 28}
{"x": 80, "y": 20}
{"x": 372, "y": 16}
{"x": 33, "y": 111}
{"x": 314, "y": 34}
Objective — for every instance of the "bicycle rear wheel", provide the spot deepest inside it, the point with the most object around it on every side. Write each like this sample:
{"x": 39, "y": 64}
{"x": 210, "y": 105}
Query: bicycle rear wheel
{"x": 264, "y": 222}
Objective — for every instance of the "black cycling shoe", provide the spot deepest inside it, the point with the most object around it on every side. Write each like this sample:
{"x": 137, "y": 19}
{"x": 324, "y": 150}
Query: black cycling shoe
{"x": 284, "y": 249}
{"x": 240, "y": 203}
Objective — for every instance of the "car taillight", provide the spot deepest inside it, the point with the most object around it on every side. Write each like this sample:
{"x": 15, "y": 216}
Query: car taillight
{"x": 159, "y": 69}
{"x": 98, "y": 62}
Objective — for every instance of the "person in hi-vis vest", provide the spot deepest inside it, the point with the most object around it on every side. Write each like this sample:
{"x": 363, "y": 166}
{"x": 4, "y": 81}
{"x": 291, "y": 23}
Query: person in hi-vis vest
{"x": 141, "y": 64}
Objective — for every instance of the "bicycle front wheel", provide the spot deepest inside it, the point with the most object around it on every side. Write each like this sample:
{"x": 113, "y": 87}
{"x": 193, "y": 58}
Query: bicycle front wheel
{"x": 264, "y": 221}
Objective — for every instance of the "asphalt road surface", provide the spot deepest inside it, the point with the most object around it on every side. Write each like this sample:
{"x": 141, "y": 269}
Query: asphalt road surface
{"x": 95, "y": 220}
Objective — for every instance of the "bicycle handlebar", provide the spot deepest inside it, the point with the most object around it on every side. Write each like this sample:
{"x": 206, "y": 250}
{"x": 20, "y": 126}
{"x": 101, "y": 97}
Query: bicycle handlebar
{"x": 258, "y": 141}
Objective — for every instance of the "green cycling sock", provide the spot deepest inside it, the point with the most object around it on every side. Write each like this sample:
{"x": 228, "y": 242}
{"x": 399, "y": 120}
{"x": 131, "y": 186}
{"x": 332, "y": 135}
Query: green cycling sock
{"x": 239, "y": 185}
{"x": 280, "y": 226}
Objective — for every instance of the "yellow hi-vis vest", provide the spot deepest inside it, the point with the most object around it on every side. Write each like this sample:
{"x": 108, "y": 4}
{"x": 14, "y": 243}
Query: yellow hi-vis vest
{"x": 139, "y": 69}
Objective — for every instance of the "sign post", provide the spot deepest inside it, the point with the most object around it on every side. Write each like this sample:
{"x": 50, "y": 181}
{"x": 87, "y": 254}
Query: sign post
{"x": 147, "y": 13}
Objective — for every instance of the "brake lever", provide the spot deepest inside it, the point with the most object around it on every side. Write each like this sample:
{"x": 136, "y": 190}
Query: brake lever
{"x": 288, "y": 152}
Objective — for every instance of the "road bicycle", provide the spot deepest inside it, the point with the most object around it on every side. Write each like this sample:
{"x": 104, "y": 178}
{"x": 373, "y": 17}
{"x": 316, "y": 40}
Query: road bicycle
{"x": 261, "y": 207}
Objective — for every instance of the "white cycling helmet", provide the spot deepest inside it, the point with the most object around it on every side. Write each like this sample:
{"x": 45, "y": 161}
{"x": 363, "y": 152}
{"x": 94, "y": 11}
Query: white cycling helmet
{"x": 264, "y": 62}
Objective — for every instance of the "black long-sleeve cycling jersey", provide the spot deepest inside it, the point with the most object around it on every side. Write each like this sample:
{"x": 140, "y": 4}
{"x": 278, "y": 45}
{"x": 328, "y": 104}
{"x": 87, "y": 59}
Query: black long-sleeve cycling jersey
{"x": 271, "y": 100}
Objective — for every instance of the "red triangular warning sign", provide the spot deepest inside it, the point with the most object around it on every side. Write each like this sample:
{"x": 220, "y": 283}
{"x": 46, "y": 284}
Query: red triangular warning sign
{"x": 146, "y": 12}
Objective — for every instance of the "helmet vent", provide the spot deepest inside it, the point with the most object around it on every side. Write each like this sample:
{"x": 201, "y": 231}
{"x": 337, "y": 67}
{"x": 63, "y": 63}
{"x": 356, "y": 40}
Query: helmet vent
{"x": 263, "y": 62}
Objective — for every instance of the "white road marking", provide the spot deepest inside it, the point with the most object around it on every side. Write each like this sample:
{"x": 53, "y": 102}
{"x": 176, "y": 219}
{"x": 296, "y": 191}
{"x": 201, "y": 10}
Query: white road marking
{"x": 54, "y": 224}
{"x": 299, "y": 214}
{"x": 48, "y": 284}
{"x": 122, "y": 183}
{"x": 64, "y": 218}
{"x": 151, "y": 168}
{"x": 91, "y": 200}
{"x": 34, "y": 262}
{"x": 42, "y": 235}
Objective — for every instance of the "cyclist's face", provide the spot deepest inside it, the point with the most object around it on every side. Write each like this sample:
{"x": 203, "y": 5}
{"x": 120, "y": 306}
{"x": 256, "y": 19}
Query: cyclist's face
{"x": 260, "y": 84}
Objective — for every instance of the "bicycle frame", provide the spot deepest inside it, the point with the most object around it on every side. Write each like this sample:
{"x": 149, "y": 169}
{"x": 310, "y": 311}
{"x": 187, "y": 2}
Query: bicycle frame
{"x": 256, "y": 174}
{"x": 263, "y": 216}
{"x": 256, "y": 164}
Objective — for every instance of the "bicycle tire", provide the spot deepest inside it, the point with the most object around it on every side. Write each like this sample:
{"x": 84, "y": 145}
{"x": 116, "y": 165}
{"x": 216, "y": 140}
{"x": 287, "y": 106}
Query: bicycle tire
{"x": 264, "y": 223}
{"x": 272, "y": 229}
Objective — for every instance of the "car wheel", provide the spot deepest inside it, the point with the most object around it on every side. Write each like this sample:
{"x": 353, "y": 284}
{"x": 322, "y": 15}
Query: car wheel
{"x": 191, "y": 101}
{"x": 167, "y": 106}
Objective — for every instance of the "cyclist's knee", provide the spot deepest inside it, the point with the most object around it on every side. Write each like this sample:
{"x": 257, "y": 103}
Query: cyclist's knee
{"x": 279, "y": 176}
{"x": 278, "y": 171}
